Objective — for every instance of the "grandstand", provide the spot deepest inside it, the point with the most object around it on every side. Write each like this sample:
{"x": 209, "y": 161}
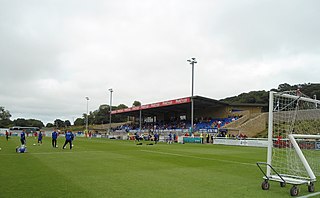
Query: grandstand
{"x": 210, "y": 115}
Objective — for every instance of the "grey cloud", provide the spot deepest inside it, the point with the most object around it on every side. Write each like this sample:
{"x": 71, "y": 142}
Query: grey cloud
{"x": 54, "y": 53}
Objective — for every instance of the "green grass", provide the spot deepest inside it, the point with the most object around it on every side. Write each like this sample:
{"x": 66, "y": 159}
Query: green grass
{"x": 116, "y": 168}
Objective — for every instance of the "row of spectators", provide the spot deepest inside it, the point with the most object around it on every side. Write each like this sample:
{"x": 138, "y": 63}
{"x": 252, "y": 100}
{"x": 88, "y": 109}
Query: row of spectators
{"x": 203, "y": 123}
{"x": 215, "y": 123}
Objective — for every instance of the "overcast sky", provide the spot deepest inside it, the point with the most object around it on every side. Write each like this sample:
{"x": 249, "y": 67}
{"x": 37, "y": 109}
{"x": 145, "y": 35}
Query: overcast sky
{"x": 54, "y": 53}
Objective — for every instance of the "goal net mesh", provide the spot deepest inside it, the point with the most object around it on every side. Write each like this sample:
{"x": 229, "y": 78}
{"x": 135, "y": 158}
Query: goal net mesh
{"x": 294, "y": 115}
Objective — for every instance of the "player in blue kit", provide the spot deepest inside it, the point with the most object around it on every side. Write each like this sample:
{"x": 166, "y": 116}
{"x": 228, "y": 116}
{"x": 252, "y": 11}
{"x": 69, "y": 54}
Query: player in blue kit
{"x": 23, "y": 137}
{"x": 156, "y": 138}
{"x": 21, "y": 149}
{"x": 170, "y": 138}
{"x": 54, "y": 139}
{"x": 69, "y": 138}
{"x": 40, "y": 138}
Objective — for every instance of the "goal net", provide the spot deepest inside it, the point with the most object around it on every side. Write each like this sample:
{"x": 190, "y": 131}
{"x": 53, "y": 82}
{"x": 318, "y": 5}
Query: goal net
{"x": 294, "y": 137}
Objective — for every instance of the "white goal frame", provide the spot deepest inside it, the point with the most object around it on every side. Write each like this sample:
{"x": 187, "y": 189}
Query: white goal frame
{"x": 292, "y": 138}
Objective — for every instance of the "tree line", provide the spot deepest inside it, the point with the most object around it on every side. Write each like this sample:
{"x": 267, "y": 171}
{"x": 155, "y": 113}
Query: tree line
{"x": 99, "y": 116}
{"x": 102, "y": 115}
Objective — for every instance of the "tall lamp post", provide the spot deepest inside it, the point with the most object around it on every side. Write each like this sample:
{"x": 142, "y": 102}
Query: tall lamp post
{"x": 87, "y": 98}
{"x": 192, "y": 62}
{"x": 110, "y": 108}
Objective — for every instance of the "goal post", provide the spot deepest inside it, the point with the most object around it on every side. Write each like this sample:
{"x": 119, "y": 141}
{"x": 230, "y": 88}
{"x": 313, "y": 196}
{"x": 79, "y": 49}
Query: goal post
{"x": 270, "y": 133}
{"x": 293, "y": 154}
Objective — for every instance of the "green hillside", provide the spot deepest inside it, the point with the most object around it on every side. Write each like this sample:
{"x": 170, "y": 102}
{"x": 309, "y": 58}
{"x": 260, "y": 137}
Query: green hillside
{"x": 262, "y": 97}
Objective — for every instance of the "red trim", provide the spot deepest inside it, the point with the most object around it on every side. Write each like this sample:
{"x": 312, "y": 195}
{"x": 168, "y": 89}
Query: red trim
{"x": 154, "y": 105}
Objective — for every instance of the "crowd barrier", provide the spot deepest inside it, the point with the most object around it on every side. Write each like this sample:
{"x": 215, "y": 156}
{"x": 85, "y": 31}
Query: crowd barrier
{"x": 255, "y": 142}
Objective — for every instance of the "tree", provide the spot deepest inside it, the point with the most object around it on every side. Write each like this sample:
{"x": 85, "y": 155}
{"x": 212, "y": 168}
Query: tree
{"x": 58, "y": 123}
{"x": 28, "y": 123}
{"x": 5, "y": 123}
{"x": 260, "y": 97}
{"x": 136, "y": 103}
{"x": 284, "y": 87}
{"x": 4, "y": 114}
{"x": 91, "y": 117}
{"x": 67, "y": 123}
{"x": 49, "y": 125}
{"x": 35, "y": 123}
{"x": 5, "y": 118}
{"x": 122, "y": 106}
{"x": 79, "y": 122}
{"x": 20, "y": 122}
{"x": 101, "y": 115}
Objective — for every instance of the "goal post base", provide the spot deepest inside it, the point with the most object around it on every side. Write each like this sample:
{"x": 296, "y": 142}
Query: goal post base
{"x": 289, "y": 180}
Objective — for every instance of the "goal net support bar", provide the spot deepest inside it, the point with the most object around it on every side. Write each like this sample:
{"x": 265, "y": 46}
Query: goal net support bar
{"x": 300, "y": 154}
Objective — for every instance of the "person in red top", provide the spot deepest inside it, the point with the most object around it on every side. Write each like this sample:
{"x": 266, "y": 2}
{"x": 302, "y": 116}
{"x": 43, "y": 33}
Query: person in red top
{"x": 279, "y": 143}
{"x": 7, "y": 135}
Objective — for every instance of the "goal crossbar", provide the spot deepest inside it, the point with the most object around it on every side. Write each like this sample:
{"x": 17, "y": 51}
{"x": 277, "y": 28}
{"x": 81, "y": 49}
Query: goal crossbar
{"x": 298, "y": 97}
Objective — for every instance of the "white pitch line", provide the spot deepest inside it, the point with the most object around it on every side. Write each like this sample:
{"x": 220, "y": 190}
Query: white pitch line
{"x": 202, "y": 158}
{"x": 50, "y": 153}
{"x": 310, "y": 195}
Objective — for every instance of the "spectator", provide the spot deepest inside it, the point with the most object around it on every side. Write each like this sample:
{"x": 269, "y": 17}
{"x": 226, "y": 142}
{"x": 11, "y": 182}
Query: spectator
{"x": 201, "y": 138}
{"x": 208, "y": 137}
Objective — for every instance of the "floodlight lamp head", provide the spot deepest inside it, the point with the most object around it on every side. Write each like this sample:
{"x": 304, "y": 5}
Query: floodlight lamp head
{"x": 189, "y": 60}
{"x": 110, "y": 90}
{"x": 193, "y": 58}
{"x": 87, "y": 98}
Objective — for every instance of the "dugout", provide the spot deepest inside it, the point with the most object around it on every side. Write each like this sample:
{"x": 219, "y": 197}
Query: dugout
{"x": 180, "y": 109}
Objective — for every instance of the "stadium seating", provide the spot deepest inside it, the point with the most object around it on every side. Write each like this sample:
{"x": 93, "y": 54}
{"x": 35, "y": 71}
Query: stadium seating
{"x": 205, "y": 123}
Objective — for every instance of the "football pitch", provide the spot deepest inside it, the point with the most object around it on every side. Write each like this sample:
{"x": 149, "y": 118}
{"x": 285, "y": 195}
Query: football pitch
{"x": 119, "y": 168}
